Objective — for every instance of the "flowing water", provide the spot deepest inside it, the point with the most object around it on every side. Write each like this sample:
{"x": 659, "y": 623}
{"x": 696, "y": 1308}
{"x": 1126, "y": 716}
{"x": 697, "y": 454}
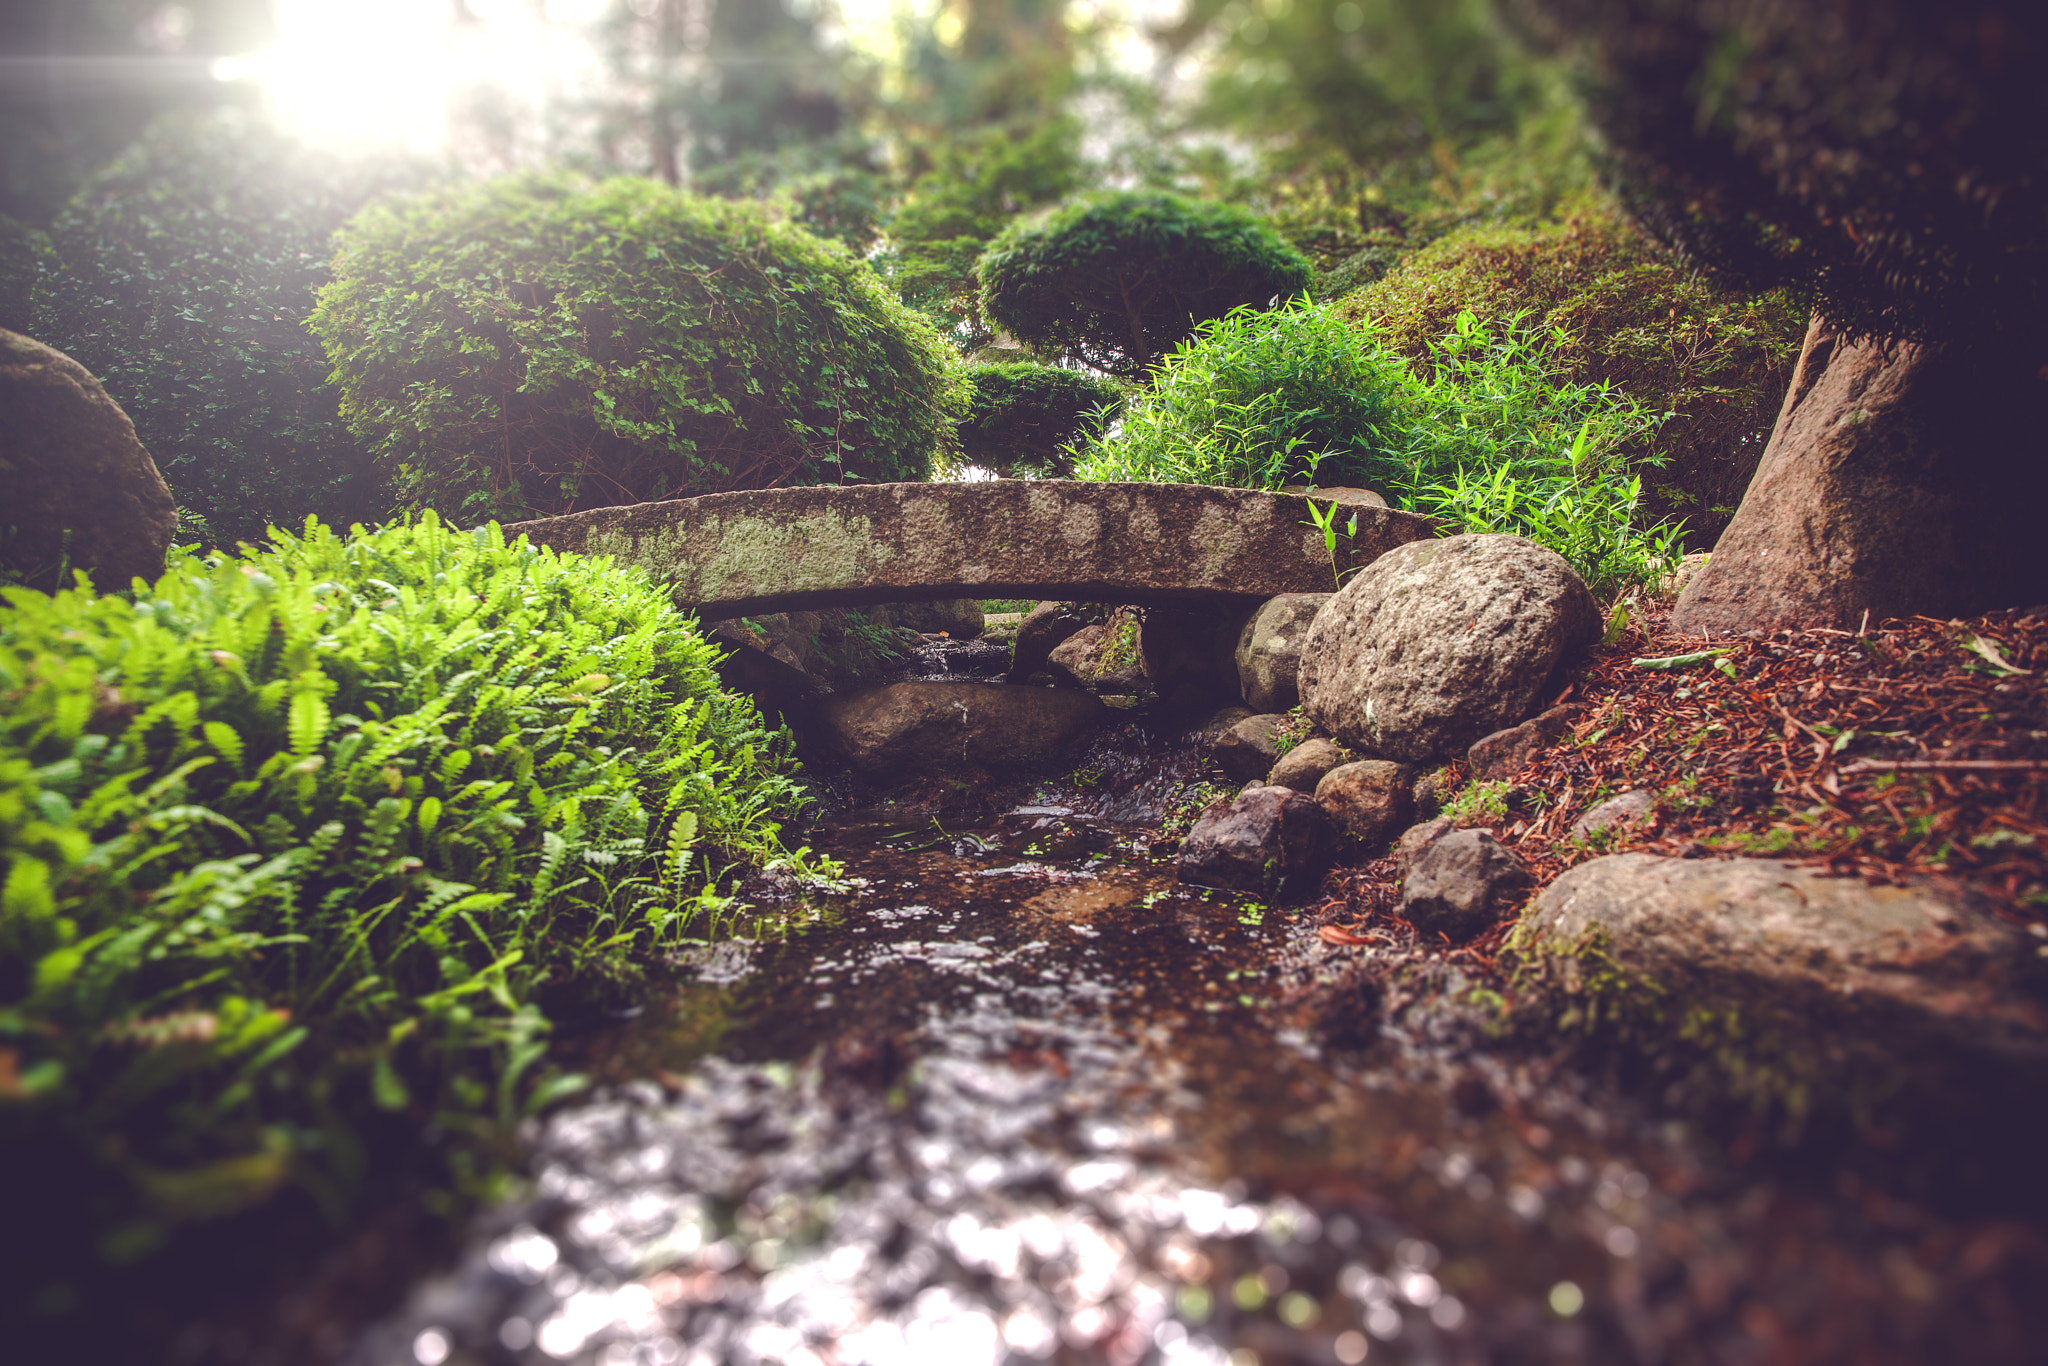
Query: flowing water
{"x": 1014, "y": 1095}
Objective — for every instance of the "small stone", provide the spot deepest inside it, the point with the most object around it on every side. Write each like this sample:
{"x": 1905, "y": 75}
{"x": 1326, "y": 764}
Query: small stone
{"x": 1417, "y": 838}
{"x": 1431, "y": 791}
{"x": 1368, "y": 800}
{"x": 1269, "y": 841}
{"x": 1616, "y": 818}
{"x": 1041, "y": 631}
{"x": 1222, "y": 720}
{"x": 1250, "y": 748}
{"x": 1302, "y": 767}
{"x": 1460, "y": 884}
{"x": 1505, "y": 753}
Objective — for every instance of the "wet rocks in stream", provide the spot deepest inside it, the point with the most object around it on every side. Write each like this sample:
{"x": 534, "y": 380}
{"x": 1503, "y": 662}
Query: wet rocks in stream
{"x": 1043, "y": 629}
{"x": 1247, "y": 748}
{"x": 1268, "y": 841}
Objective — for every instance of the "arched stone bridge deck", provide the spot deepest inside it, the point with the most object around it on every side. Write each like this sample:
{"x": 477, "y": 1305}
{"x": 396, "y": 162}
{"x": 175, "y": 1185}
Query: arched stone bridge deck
{"x": 780, "y": 550}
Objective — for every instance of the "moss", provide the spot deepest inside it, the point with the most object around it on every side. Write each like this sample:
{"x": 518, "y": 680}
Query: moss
{"x": 1768, "y": 1066}
{"x": 1717, "y": 359}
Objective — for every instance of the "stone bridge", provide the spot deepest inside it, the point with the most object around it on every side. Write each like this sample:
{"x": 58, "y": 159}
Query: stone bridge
{"x": 781, "y": 550}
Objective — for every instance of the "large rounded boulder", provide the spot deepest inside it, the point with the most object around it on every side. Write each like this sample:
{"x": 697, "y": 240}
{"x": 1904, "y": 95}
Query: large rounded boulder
{"x": 1438, "y": 643}
{"x": 80, "y": 491}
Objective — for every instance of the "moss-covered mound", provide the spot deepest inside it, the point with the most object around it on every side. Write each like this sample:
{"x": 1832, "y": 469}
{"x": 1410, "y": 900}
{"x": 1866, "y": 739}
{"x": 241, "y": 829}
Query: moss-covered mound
{"x": 1634, "y": 316}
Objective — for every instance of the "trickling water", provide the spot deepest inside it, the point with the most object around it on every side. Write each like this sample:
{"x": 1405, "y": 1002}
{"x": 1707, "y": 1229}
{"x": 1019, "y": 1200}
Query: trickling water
{"x": 1019, "y": 1097}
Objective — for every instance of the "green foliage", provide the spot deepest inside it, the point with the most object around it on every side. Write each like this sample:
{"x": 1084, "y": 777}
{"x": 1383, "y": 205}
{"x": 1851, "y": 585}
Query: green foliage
{"x": 1025, "y": 416}
{"x": 535, "y": 345}
{"x": 299, "y": 837}
{"x": 182, "y": 276}
{"x": 977, "y": 183}
{"x": 1257, "y": 400}
{"x": 1716, "y": 359}
{"x": 1113, "y": 280}
{"x": 1480, "y": 803}
{"x": 1488, "y": 437}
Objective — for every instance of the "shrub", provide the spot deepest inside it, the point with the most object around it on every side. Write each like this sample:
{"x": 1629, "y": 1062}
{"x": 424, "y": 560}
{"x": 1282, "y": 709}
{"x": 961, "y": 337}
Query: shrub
{"x": 1114, "y": 280}
{"x": 1488, "y": 437}
{"x": 1022, "y": 415}
{"x": 298, "y": 837}
{"x": 534, "y": 345}
{"x": 1716, "y": 359}
{"x": 1259, "y": 399}
{"x": 182, "y": 278}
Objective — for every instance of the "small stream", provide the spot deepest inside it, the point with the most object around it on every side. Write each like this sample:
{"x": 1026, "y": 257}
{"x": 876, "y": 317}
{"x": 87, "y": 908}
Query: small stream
{"x": 1013, "y": 1095}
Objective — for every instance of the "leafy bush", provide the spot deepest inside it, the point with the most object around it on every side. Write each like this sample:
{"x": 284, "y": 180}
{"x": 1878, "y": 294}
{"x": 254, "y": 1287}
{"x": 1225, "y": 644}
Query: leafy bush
{"x": 182, "y": 278}
{"x": 534, "y": 345}
{"x": 1257, "y": 400}
{"x": 1634, "y": 317}
{"x": 1114, "y": 280}
{"x": 1488, "y": 438}
{"x": 297, "y": 837}
{"x": 1024, "y": 416}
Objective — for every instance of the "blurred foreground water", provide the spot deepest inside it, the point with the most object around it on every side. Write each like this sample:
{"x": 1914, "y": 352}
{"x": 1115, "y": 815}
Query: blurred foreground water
{"x": 1016, "y": 1096}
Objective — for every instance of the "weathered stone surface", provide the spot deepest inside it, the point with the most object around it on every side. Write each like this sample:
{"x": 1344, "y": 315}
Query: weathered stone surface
{"x": 1368, "y": 800}
{"x": 1430, "y": 791}
{"x": 1269, "y": 649}
{"x": 1838, "y": 969}
{"x": 1417, "y": 838}
{"x": 1103, "y": 658}
{"x": 1304, "y": 766}
{"x": 1891, "y": 485}
{"x": 1248, "y": 749}
{"x": 75, "y": 483}
{"x": 910, "y": 728}
{"x": 1269, "y": 841}
{"x": 1505, "y": 753}
{"x": 1616, "y": 818}
{"x": 1440, "y": 642}
{"x": 1041, "y": 632}
{"x": 1460, "y": 883}
{"x": 733, "y": 554}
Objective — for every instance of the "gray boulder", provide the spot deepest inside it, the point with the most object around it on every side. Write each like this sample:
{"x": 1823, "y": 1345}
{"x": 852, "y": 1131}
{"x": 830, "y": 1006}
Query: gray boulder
{"x": 76, "y": 485}
{"x": 1103, "y": 658}
{"x": 908, "y": 729}
{"x": 1368, "y": 800}
{"x": 1417, "y": 838}
{"x": 1302, "y": 767}
{"x": 1248, "y": 749}
{"x": 1269, "y": 841}
{"x": 1820, "y": 982}
{"x": 1460, "y": 884}
{"x": 1438, "y": 643}
{"x": 1505, "y": 753}
{"x": 1269, "y": 650}
{"x": 1043, "y": 629}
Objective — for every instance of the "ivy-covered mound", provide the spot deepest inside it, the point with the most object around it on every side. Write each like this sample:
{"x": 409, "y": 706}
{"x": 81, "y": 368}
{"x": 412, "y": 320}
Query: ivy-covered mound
{"x": 1115, "y": 280}
{"x": 296, "y": 838}
{"x": 1025, "y": 416}
{"x": 536, "y": 345}
{"x": 181, "y": 276}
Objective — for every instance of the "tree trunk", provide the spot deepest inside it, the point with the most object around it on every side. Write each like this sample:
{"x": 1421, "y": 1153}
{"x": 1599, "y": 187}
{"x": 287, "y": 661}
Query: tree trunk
{"x": 1901, "y": 478}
